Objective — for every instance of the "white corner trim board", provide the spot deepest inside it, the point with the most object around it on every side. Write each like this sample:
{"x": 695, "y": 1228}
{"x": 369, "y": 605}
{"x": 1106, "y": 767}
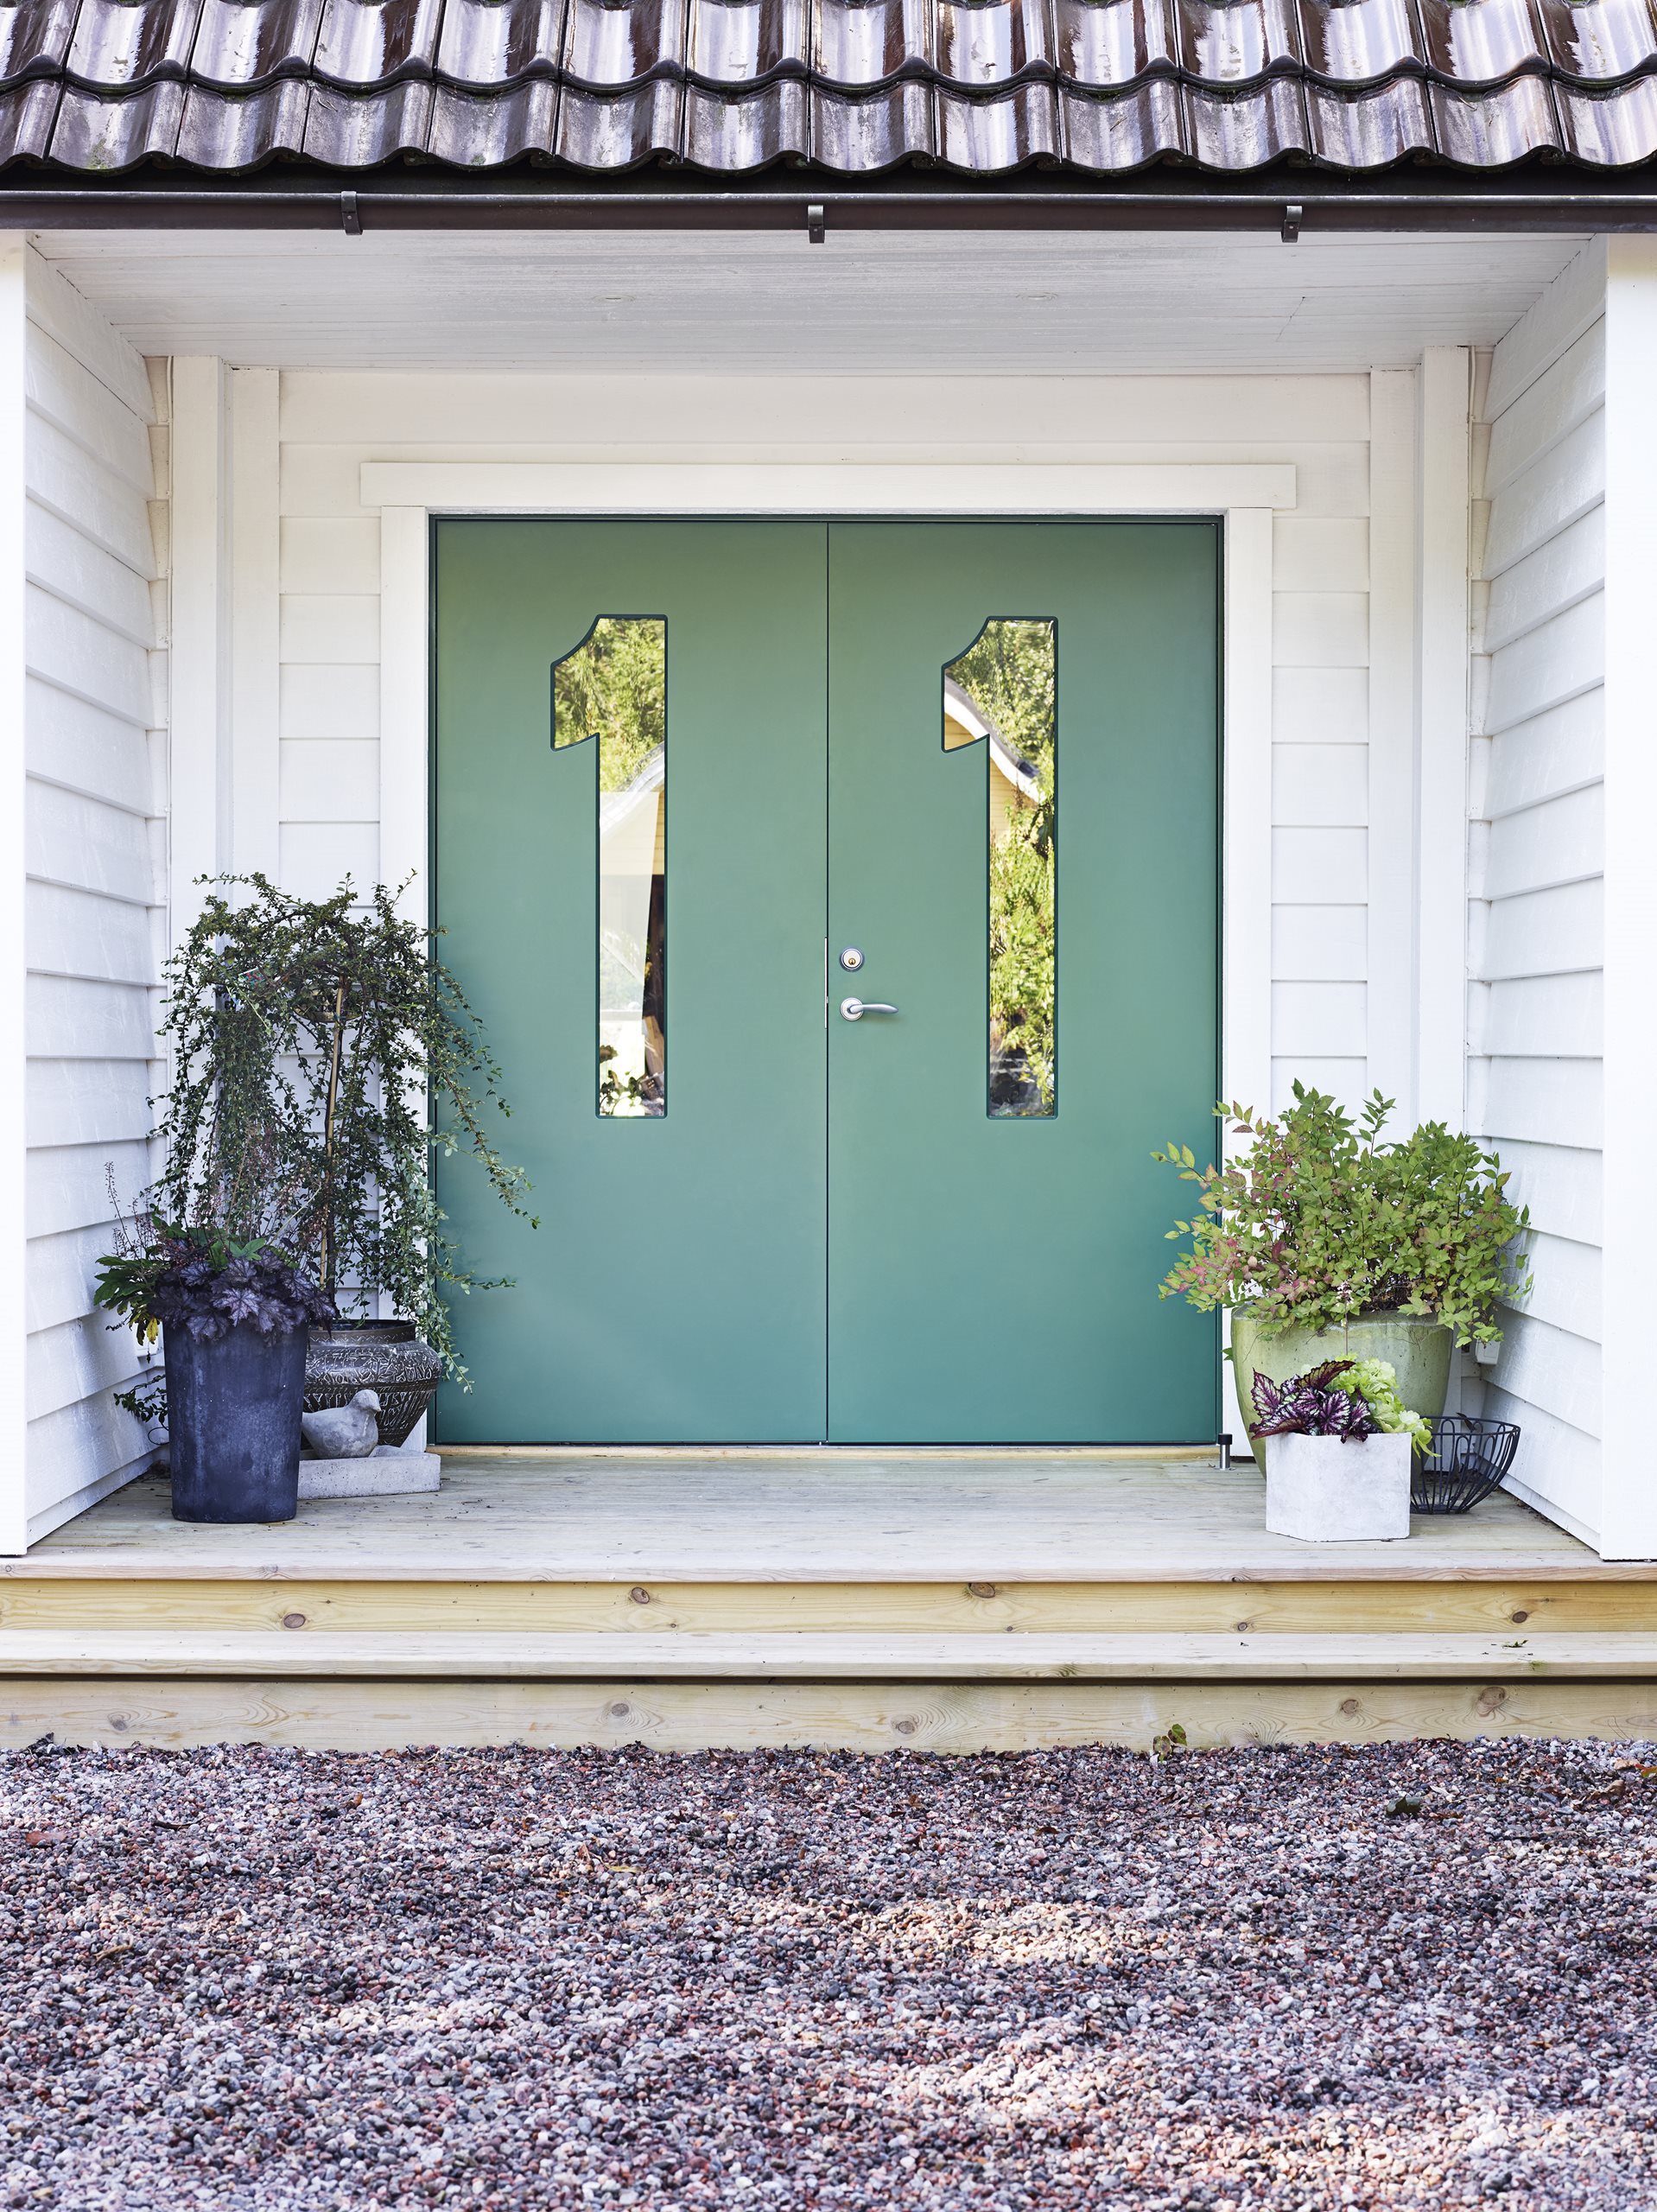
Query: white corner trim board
{"x": 771, "y": 488}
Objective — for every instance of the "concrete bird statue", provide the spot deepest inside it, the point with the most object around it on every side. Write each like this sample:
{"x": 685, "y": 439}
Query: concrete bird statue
{"x": 344, "y": 1431}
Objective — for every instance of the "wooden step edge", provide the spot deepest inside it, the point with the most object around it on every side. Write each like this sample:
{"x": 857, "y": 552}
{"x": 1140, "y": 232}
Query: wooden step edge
{"x": 801, "y": 1655}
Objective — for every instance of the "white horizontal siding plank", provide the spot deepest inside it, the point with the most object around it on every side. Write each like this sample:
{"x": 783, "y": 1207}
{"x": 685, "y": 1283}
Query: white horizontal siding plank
{"x": 1548, "y": 410}
{"x": 1320, "y": 945}
{"x": 69, "y": 932}
{"x": 1330, "y": 479}
{"x": 64, "y": 476}
{"x": 330, "y": 628}
{"x": 323, "y": 484}
{"x": 1319, "y": 867}
{"x": 318, "y": 856}
{"x": 1320, "y": 629}
{"x": 602, "y": 410}
{"x": 67, "y": 1185}
{"x": 1538, "y": 1101}
{"x": 89, "y": 846}
{"x": 1568, "y": 568}
{"x": 71, "y": 566}
{"x": 1319, "y": 553}
{"x": 62, "y": 1271}
{"x": 1549, "y": 496}
{"x": 1545, "y": 932}
{"x": 81, "y": 656}
{"x": 1557, "y": 842}
{"x": 83, "y": 747}
{"x": 1320, "y": 706}
{"x": 331, "y": 701}
{"x": 64, "y": 314}
{"x": 1318, "y": 1021}
{"x": 62, "y": 392}
{"x": 331, "y": 553}
{"x": 69, "y": 1018}
{"x": 330, "y": 779}
{"x": 1555, "y": 1017}
{"x": 95, "y": 1436}
{"x": 1557, "y": 1468}
{"x": 76, "y": 1360}
{"x": 1572, "y": 303}
{"x": 1565, "y": 1284}
{"x": 1320, "y": 785}
{"x": 1559, "y": 660}
{"x": 1560, "y": 751}
{"x": 88, "y": 1102}
{"x": 1564, "y": 1185}
{"x": 1347, "y": 1082}
{"x": 1552, "y": 1369}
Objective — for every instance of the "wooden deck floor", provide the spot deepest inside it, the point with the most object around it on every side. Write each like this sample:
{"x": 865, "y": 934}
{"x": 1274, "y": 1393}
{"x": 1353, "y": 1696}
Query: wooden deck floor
{"x": 946, "y": 1600}
{"x": 804, "y": 1518}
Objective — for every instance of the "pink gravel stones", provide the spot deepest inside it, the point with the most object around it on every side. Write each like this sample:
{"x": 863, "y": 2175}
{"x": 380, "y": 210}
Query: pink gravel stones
{"x": 268, "y": 1981}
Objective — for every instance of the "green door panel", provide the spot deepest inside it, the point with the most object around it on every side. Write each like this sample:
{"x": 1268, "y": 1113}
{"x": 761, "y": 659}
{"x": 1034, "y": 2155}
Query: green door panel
{"x": 674, "y": 1288}
{"x": 827, "y": 1235}
{"x": 995, "y": 1278}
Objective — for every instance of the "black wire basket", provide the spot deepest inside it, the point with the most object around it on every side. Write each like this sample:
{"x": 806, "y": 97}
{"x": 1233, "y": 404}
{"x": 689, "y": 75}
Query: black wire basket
{"x": 1468, "y": 1459}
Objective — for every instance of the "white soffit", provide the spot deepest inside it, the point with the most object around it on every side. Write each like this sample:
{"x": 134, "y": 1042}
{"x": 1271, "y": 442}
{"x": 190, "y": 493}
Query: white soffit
{"x": 920, "y": 303}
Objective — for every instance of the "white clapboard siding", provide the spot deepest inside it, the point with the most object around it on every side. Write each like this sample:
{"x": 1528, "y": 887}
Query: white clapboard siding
{"x": 1536, "y": 927}
{"x": 90, "y": 643}
{"x": 332, "y": 422}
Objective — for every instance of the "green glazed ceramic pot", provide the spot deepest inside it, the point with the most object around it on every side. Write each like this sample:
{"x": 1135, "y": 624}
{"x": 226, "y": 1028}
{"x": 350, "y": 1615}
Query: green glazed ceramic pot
{"x": 1417, "y": 1347}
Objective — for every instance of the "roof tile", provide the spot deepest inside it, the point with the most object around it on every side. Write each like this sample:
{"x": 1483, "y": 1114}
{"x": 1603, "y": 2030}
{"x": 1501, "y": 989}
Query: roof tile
{"x": 854, "y": 86}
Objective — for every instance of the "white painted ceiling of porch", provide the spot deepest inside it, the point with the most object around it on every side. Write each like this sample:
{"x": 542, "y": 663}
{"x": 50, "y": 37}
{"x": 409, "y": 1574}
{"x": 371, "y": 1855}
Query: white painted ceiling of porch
{"x": 891, "y": 303}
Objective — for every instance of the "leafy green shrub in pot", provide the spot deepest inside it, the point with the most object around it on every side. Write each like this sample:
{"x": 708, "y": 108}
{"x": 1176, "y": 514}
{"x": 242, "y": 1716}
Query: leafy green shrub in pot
{"x": 1326, "y": 1242}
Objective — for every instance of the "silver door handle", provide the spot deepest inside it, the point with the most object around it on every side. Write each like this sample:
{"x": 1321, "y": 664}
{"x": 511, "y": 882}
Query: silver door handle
{"x": 855, "y": 1009}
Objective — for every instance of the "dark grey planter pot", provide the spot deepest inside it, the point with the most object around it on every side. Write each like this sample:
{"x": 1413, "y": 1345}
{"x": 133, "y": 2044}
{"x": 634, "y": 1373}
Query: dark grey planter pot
{"x": 232, "y": 1424}
{"x": 385, "y": 1356}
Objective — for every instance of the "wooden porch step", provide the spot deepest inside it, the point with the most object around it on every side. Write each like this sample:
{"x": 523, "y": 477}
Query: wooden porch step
{"x": 438, "y": 1655}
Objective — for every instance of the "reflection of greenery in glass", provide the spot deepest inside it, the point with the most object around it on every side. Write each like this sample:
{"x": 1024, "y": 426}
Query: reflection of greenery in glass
{"x": 614, "y": 686}
{"x": 1009, "y": 673}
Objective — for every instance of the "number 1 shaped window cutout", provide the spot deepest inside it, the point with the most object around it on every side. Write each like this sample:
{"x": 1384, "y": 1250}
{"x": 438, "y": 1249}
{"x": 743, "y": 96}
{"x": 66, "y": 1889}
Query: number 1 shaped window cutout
{"x": 612, "y": 691}
{"x": 1002, "y": 694}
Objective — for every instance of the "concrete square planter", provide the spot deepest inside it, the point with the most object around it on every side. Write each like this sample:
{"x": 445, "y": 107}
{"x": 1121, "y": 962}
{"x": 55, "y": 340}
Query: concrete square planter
{"x": 1324, "y": 1491}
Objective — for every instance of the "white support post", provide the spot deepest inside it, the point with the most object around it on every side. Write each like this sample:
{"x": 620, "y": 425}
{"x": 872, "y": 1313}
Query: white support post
{"x": 14, "y": 1309}
{"x": 1391, "y": 875}
{"x": 405, "y": 653}
{"x": 255, "y": 615}
{"x": 1245, "y": 865}
{"x": 1441, "y": 679}
{"x": 1629, "y": 1515}
{"x": 200, "y": 782}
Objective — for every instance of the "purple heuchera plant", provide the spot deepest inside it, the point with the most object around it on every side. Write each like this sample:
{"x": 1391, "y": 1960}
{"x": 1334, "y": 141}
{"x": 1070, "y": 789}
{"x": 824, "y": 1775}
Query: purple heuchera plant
{"x": 1309, "y": 1405}
{"x": 210, "y": 1291}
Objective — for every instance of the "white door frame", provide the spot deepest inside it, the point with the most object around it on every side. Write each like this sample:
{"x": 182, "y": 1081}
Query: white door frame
{"x": 1243, "y": 497}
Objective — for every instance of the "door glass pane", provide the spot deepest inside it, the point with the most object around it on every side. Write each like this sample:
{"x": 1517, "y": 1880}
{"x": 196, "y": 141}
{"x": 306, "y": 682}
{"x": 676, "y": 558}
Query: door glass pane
{"x": 1002, "y": 694}
{"x": 613, "y": 689}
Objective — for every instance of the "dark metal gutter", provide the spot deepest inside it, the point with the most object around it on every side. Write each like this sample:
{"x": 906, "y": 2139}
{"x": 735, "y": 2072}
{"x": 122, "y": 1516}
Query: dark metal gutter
{"x": 1307, "y": 204}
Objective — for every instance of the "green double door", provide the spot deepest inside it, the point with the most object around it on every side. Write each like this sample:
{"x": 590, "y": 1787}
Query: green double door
{"x": 702, "y": 791}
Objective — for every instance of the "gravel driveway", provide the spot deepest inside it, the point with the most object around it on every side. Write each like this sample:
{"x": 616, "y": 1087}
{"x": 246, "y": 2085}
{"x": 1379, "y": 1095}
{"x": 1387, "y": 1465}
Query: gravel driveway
{"x": 1414, "y": 1975}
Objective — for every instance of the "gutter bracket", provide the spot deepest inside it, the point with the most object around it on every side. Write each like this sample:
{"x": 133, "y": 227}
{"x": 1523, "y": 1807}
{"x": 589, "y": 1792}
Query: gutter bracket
{"x": 350, "y": 216}
{"x": 816, "y": 222}
{"x": 1291, "y": 215}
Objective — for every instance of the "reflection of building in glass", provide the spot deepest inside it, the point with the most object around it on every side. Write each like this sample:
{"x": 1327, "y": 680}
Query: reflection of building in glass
{"x": 1001, "y": 691}
{"x": 613, "y": 688}
{"x": 632, "y": 903}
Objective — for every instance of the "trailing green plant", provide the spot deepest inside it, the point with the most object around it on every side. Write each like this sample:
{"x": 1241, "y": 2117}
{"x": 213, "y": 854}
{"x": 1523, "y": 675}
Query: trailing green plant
{"x": 308, "y": 1037}
{"x": 1318, "y": 1220}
